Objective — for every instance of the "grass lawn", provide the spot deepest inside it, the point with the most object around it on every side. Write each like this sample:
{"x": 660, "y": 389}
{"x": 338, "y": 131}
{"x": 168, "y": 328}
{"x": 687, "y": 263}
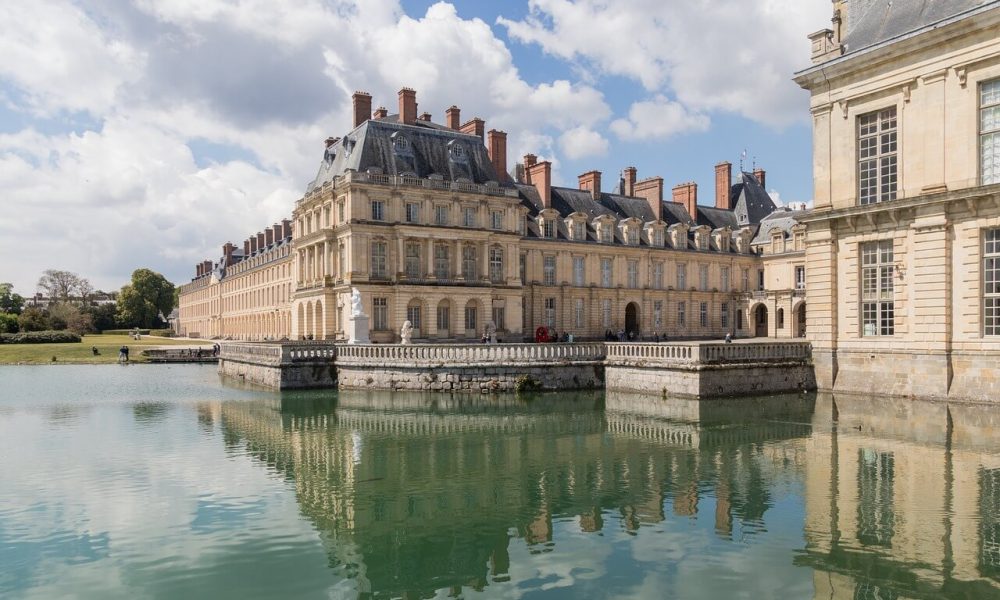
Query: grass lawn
{"x": 107, "y": 345}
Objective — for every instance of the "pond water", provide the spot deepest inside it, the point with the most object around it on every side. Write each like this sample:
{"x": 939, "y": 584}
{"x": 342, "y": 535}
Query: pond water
{"x": 161, "y": 481}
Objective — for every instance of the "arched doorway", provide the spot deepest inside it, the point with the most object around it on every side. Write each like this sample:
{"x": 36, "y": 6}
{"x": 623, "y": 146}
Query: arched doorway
{"x": 632, "y": 319}
{"x": 760, "y": 321}
{"x": 800, "y": 320}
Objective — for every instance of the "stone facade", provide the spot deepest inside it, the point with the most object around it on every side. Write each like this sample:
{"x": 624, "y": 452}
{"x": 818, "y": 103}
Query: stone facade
{"x": 906, "y": 202}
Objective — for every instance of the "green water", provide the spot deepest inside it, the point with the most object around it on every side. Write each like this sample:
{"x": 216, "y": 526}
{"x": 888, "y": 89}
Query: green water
{"x": 164, "y": 482}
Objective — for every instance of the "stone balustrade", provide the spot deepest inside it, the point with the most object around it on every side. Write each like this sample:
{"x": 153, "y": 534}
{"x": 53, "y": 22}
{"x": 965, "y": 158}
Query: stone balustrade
{"x": 469, "y": 355}
{"x": 699, "y": 354}
{"x": 434, "y": 184}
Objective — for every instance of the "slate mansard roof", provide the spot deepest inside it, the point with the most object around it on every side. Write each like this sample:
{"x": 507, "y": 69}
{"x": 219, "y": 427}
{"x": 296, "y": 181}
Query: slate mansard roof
{"x": 422, "y": 149}
{"x": 871, "y": 22}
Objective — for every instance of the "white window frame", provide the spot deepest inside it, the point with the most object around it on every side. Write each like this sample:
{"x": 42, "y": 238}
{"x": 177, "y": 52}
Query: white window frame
{"x": 878, "y": 155}
{"x": 877, "y": 298}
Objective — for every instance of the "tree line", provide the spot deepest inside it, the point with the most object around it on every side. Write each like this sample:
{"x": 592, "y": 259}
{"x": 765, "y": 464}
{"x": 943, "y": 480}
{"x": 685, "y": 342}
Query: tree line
{"x": 144, "y": 302}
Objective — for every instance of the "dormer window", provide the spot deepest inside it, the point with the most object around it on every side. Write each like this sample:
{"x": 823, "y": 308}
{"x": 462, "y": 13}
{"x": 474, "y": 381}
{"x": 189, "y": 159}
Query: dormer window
{"x": 579, "y": 231}
{"x": 400, "y": 145}
{"x": 456, "y": 151}
{"x": 548, "y": 228}
{"x": 658, "y": 238}
{"x": 632, "y": 236}
{"x": 607, "y": 233}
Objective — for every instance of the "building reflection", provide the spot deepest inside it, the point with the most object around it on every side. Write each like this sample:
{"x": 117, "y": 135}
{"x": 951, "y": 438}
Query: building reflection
{"x": 902, "y": 500}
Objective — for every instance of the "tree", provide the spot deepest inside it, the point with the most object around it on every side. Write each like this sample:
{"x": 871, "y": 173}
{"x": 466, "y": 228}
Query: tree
{"x": 63, "y": 285}
{"x": 64, "y": 315}
{"x": 141, "y": 302}
{"x": 32, "y": 319}
{"x": 102, "y": 316}
{"x": 8, "y": 322}
{"x": 9, "y": 301}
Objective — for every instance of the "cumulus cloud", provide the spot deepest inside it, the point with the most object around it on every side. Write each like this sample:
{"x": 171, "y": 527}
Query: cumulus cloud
{"x": 658, "y": 119}
{"x": 726, "y": 55}
{"x": 581, "y": 142}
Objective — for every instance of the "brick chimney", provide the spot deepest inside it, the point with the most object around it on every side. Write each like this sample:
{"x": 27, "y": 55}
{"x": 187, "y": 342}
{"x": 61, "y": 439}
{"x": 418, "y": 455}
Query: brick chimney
{"x": 629, "y": 177}
{"x": 540, "y": 176}
{"x": 227, "y": 252}
{"x": 407, "y": 106}
{"x": 246, "y": 248}
{"x": 425, "y": 116}
{"x": 268, "y": 237}
{"x": 529, "y": 161}
{"x": 476, "y": 126}
{"x": 687, "y": 195}
{"x": 652, "y": 190}
{"x": 276, "y": 232}
{"x": 381, "y": 112}
{"x": 260, "y": 240}
{"x": 452, "y": 118}
{"x": 496, "y": 147}
{"x": 760, "y": 176}
{"x": 206, "y": 267}
{"x": 591, "y": 182}
{"x": 331, "y": 141}
{"x": 197, "y": 270}
{"x": 286, "y": 228}
{"x": 253, "y": 244}
{"x": 723, "y": 180}
{"x": 362, "y": 107}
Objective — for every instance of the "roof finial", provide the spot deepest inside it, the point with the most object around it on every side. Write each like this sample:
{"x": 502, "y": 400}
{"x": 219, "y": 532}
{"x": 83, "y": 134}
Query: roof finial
{"x": 743, "y": 157}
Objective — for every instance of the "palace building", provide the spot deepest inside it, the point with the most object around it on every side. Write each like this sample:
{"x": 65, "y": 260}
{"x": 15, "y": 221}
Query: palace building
{"x": 902, "y": 248}
{"x": 426, "y": 222}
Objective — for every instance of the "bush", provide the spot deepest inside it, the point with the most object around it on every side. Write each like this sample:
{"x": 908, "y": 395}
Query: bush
{"x": 32, "y": 319}
{"x": 162, "y": 332}
{"x": 8, "y": 323}
{"x": 40, "y": 337}
{"x": 124, "y": 332}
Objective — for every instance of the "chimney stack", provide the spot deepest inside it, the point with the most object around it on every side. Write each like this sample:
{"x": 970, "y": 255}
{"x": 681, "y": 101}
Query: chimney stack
{"x": 591, "y": 182}
{"x": 723, "y": 180}
{"x": 277, "y": 233}
{"x": 197, "y": 270}
{"x": 362, "y": 107}
{"x": 530, "y": 160}
{"x": 206, "y": 267}
{"x": 687, "y": 194}
{"x": 496, "y": 147}
{"x": 260, "y": 241}
{"x": 407, "y": 106}
{"x": 268, "y": 237}
{"x": 476, "y": 126}
{"x": 426, "y": 117}
{"x": 540, "y": 176}
{"x": 246, "y": 248}
{"x": 452, "y": 118}
{"x": 381, "y": 112}
{"x": 286, "y": 228}
{"x": 253, "y": 244}
{"x": 759, "y": 174}
{"x": 652, "y": 190}
{"x": 629, "y": 176}
{"x": 331, "y": 141}
{"x": 227, "y": 252}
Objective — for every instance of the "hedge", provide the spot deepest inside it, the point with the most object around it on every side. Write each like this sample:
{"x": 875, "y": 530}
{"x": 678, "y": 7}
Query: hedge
{"x": 40, "y": 337}
{"x": 124, "y": 332}
{"x": 162, "y": 332}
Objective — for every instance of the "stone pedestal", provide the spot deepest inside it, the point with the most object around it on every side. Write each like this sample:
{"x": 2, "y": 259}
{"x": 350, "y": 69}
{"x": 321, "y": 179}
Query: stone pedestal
{"x": 357, "y": 329}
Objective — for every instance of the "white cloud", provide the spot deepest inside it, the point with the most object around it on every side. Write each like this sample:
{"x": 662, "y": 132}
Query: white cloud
{"x": 581, "y": 142}
{"x": 659, "y": 118}
{"x": 726, "y": 55}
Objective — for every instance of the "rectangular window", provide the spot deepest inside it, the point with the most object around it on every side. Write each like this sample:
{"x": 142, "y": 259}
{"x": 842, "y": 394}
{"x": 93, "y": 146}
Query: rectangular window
{"x": 724, "y": 315}
{"x": 549, "y": 270}
{"x": 633, "y": 236}
{"x": 578, "y": 277}
{"x": 441, "y": 215}
{"x": 470, "y": 318}
{"x": 633, "y": 274}
{"x": 442, "y": 267}
{"x": 606, "y": 272}
{"x": 877, "y": 150}
{"x": 682, "y": 276}
{"x": 379, "y": 262}
{"x": 496, "y": 264}
{"x": 724, "y": 279}
{"x": 989, "y": 131}
{"x": 499, "y": 318}
{"x": 470, "y": 262}
{"x": 703, "y": 314}
{"x": 877, "y": 271}
{"x": 523, "y": 269}
{"x": 658, "y": 275}
{"x": 412, "y": 212}
{"x": 991, "y": 282}
{"x": 469, "y": 216}
{"x": 606, "y": 313}
{"x": 607, "y": 235}
{"x": 703, "y": 278}
{"x": 550, "y": 312}
{"x": 746, "y": 280}
{"x": 579, "y": 231}
{"x": 681, "y": 314}
{"x": 578, "y": 313}
{"x": 658, "y": 239}
{"x": 549, "y": 228}
{"x": 760, "y": 280}
{"x": 444, "y": 317}
{"x": 412, "y": 267}
{"x": 340, "y": 212}
{"x": 380, "y": 314}
{"x": 800, "y": 278}
{"x": 378, "y": 210}
{"x": 343, "y": 260}
{"x": 413, "y": 315}
{"x": 496, "y": 219}
{"x": 658, "y": 314}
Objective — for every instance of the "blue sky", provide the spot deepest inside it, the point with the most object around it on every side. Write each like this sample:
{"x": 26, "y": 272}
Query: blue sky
{"x": 136, "y": 133}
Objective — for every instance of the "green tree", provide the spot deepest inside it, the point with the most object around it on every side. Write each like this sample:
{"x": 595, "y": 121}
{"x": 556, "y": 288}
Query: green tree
{"x": 142, "y": 301}
{"x": 102, "y": 316}
{"x": 9, "y": 301}
{"x": 8, "y": 322}
{"x": 32, "y": 319}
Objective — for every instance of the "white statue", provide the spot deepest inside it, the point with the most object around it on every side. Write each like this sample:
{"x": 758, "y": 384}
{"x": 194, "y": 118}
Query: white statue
{"x": 356, "y": 308}
{"x": 406, "y": 332}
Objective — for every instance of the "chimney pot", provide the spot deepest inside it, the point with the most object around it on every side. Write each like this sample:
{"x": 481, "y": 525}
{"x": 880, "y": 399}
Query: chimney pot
{"x": 381, "y": 112}
{"x": 452, "y": 117}
{"x": 362, "y": 107}
{"x": 407, "y": 106}
{"x": 425, "y": 117}
{"x": 723, "y": 181}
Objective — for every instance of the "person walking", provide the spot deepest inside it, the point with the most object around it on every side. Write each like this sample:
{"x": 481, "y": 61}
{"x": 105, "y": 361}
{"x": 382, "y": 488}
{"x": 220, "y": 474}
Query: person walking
{"x": 123, "y": 354}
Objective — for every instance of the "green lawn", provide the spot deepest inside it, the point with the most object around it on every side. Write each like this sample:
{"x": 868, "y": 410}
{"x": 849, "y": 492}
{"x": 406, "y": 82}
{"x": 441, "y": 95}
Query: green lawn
{"x": 107, "y": 345}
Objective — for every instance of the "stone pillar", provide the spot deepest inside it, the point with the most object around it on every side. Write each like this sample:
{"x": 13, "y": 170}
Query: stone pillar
{"x": 822, "y": 300}
{"x": 930, "y": 327}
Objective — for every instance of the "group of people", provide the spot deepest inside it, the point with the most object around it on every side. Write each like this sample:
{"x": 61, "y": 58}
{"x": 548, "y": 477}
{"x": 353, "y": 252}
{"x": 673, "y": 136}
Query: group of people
{"x": 625, "y": 336}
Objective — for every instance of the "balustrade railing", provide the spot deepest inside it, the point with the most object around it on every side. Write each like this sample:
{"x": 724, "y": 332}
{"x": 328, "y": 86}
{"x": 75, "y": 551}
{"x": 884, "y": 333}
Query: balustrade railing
{"x": 695, "y": 353}
{"x": 434, "y": 184}
{"x": 470, "y": 354}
